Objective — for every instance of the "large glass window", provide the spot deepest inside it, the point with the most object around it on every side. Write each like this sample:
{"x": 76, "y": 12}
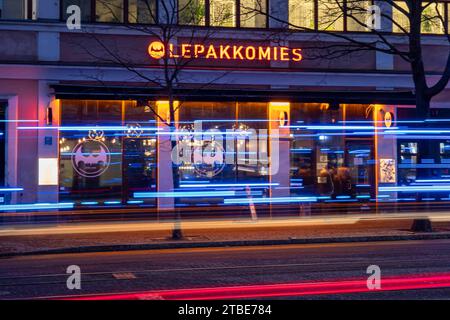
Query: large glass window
{"x": 139, "y": 11}
{"x": 16, "y": 9}
{"x": 331, "y": 15}
{"x": 327, "y": 163}
{"x": 90, "y": 159}
{"x": 191, "y": 12}
{"x": 400, "y": 20}
{"x": 223, "y": 13}
{"x": 433, "y": 17}
{"x": 357, "y": 15}
{"x": 106, "y": 155}
{"x": 142, "y": 11}
{"x": 252, "y": 162}
{"x": 236, "y": 156}
{"x": 109, "y": 10}
{"x": 301, "y": 13}
{"x": 252, "y": 13}
{"x": 315, "y": 156}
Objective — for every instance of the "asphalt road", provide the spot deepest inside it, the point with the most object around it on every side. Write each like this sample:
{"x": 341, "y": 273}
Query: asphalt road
{"x": 144, "y": 271}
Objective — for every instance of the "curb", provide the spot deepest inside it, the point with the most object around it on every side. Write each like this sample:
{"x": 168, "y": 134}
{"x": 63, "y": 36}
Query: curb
{"x": 237, "y": 243}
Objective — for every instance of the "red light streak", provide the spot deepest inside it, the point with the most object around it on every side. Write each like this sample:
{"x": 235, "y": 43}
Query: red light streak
{"x": 408, "y": 282}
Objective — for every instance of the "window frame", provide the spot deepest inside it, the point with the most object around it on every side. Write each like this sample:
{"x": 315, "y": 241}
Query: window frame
{"x": 27, "y": 12}
{"x": 237, "y": 16}
{"x": 126, "y": 3}
{"x": 345, "y": 18}
{"x": 446, "y": 17}
{"x": 446, "y": 8}
{"x": 238, "y": 24}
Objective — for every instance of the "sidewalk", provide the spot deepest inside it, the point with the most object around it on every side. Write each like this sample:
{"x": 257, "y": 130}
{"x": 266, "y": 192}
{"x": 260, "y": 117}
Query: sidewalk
{"x": 101, "y": 237}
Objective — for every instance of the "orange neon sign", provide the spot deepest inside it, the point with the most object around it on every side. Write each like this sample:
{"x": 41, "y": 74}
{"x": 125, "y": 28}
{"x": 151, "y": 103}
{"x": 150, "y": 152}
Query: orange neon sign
{"x": 156, "y": 50}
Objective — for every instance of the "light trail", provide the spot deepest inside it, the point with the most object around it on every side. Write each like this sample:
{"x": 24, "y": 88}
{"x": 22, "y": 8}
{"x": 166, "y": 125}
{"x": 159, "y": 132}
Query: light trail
{"x": 271, "y": 200}
{"x": 216, "y": 185}
{"x": 188, "y": 194}
{"x": 437, "y": 188}
{"x": 10, "y": 189}
{"x": 331, "y": 127}
{"x": 395, "y": 283}
{"x": 36, "y": 206}
{"x": 89, "y": 128}
{"x": 136, "y": 226}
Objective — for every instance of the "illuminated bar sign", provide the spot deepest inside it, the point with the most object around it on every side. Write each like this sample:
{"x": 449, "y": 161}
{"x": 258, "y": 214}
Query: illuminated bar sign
{"x": 157, "y": 50}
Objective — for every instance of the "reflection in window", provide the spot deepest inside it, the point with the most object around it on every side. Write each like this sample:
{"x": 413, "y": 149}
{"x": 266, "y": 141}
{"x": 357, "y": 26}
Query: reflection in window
{"x": 252, "y": 150}
{"x": 109, "y": 11}
{"x": 407, "y": 172}
{"x": 191, "y": 12}
{"x": 90, "y": 161}
{"x": 223, "y": 158}
{"x": 401, "y": 21}
{"x": 432, "y": 18}
{"x": 331, "y": 16}
{"x": 15, "y": 9}
{"x": 301, "y": 13}
{"x": 444, "y": 150}
{"x": 314, "y": 160}
{"x": 100, "y": 167}
{"x": 85, "y": 6}
{"x": 223, "y": 13}
{"x": 251, "y": 15}
{"x": 142, "y": 11}
{"x": 357, "y": 15}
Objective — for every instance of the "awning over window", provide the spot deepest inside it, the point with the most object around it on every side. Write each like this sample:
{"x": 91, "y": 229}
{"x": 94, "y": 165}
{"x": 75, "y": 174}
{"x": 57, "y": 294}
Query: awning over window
{"x": 65, "y": 91}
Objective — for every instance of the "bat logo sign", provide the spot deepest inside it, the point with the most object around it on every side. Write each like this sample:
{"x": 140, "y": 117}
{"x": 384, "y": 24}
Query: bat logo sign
{"x": 156, "y": 50}
{"x": 90, "y": 158}
{"x": 209, "y": 159}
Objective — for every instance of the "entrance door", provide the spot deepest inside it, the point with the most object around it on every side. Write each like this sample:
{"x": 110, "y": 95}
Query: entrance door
{"x": 359, "y": 159}
{"x": 139, "y": 167}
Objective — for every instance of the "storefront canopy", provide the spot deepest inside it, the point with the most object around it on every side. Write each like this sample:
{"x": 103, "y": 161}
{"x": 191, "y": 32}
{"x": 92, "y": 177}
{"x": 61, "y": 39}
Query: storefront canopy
{"x": 65, "y": 91}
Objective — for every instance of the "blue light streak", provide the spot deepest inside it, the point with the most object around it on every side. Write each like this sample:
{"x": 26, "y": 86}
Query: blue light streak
{"x": 112, "y": 202}
{"x": 37, "y": 206}
{"x": 432, "y": 180}
{"x": 90, "y": 128}
{"x": 94, "y": 153}
{"x": 270, "y": 200}
{"x": 135, "y": 202}
{"x": 360, "y": 151}
{"x": 206, "y": 133}
{"x": 188, "y": 194}
{"x": 415, "y": 188}
{"x": 334, "y": 127}
{"x": 195, "y": 181}
{"x": 89, "y": 203}
{"x": 10, "y": 189}
{"x": 215, "y": 185}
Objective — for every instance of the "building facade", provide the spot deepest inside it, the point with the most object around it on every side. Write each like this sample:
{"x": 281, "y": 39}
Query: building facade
{"x": 85, "y": 116}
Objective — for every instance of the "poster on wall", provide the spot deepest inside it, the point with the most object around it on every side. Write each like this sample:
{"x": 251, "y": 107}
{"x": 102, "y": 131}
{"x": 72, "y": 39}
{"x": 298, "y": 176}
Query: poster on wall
{"x": 387, "y": 171}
